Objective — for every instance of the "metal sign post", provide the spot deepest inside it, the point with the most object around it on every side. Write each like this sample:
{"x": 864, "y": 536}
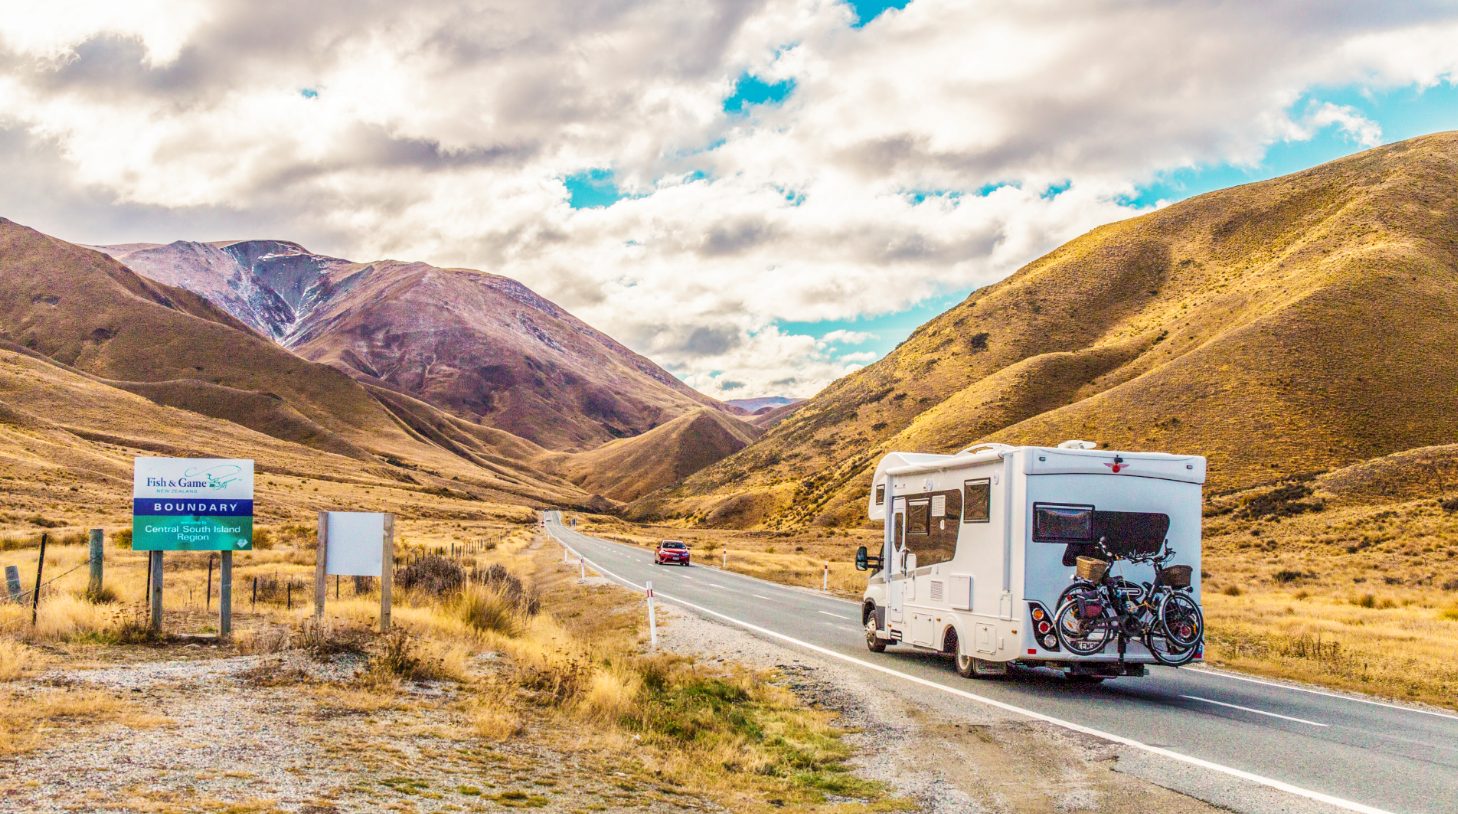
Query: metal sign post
{"x": 652, "y": 621}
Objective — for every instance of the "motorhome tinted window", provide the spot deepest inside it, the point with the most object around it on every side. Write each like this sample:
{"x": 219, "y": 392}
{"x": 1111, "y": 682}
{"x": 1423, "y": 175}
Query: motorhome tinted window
{"x": 918, "y": 516}
{"x": 1062, "y": 524}
{"x": 880, "y": 495}
{"x": 976, "y": 500}
{"x": 1128, "y": 533}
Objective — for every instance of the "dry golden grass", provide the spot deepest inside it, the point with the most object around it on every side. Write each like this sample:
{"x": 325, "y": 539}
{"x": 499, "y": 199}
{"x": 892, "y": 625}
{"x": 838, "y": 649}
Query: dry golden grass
{"x": 29, "y": 719}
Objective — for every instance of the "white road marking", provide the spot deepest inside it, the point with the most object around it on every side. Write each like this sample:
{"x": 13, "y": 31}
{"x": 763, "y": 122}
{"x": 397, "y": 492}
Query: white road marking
{"x": 1248, "y": 709}
{"x": 757, "y": 596}
{"x": 1279, "y": 785}
{"x": 836, "y": 615}
{"x": 1208, "y": 672}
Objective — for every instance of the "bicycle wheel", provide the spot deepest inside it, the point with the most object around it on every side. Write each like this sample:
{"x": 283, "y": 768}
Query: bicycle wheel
{"x": 1083, "y": 624}
{"x": 1180, "y": 620}
{"x": 1165, "y": 652}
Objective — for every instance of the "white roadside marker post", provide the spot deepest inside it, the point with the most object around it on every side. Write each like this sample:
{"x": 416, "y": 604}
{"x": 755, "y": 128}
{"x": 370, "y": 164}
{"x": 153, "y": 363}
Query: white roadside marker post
{"x": 581, "y": 570}
{"x": 652, "y": 621}
{"x": 726, "y": 557}
{"x": 825, "y": 583}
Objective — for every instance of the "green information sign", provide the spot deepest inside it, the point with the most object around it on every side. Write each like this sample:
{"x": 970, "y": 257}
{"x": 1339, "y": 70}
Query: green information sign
{"x": 192, "y": 504}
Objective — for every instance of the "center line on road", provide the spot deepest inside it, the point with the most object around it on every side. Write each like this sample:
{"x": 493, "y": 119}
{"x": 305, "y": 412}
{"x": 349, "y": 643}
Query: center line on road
{"x": 757, "y": 596}
{"x": 1256, "y": 711}
{"x": 836, "y": 615}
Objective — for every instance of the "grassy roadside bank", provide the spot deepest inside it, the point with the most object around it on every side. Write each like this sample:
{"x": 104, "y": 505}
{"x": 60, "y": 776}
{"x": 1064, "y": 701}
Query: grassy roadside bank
{"x": 521, "y": 656}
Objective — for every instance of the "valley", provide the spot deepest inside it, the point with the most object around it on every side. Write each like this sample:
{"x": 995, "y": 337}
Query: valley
{"x": 1292, "y": 331}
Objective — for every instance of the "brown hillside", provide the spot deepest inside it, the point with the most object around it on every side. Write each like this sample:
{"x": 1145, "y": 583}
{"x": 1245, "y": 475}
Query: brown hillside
{"x": 481, "y": 346}
{"x": 1288, "y": 326}
{"x": 97, "y": 319}
{"x": 629, "y": 468}
{"x": 67, "y": 442}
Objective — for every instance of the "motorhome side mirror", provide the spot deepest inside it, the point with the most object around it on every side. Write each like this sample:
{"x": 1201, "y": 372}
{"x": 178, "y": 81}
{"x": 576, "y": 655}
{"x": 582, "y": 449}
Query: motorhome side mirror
{"x": 861, "y": 559}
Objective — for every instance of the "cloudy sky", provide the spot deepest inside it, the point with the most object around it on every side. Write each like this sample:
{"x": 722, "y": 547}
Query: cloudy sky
{"x": 760, "y": 195}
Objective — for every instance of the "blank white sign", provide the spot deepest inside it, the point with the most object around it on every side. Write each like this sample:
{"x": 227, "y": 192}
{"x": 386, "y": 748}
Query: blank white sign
{"x": 356, "y": 544}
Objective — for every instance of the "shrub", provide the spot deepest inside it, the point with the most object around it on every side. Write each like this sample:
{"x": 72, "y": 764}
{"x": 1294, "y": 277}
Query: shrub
{"x": 122, "y": 539}
{"x": 487, "y": 610}
{"x": 1233, "y": 590}
{"x": 506, "y": 584}
{"x": 1450, "y": 505}
{"x": 1450, "y": 613}
{"x": 1365, "y": 601}
{"x": 262, "y": 539}
{"x": 432, "y": 575}
{"x": 1284, "y": 577}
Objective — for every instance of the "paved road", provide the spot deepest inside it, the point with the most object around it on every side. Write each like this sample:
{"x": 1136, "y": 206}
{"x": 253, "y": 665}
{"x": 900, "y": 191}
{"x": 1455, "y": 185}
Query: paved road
{"x": 1342, "y": 752}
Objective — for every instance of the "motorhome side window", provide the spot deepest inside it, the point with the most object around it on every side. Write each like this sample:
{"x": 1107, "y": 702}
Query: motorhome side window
{"x": 918, "y": 516}
{"x": 881, "y": 495}
{"x": 977, "y": 500}
{"x": 932, "y": 524}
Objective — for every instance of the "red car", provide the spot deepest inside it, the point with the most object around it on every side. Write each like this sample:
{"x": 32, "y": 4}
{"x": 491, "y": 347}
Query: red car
{"x": 671, "y": 551}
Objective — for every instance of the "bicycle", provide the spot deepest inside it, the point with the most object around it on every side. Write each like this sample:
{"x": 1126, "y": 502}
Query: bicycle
{"x": 1162, "y": 614}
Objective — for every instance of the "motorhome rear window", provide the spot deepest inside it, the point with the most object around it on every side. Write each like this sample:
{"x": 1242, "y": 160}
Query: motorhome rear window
{"x": 1058, "y": 523}
{"x": 976, "y": 500}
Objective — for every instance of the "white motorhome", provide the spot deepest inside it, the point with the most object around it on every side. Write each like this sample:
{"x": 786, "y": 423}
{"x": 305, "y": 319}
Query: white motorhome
{"x": 976, "y": 543}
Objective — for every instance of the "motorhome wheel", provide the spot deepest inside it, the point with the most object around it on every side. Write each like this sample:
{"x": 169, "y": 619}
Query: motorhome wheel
{"x": 874, "y": 643}
{"x": 966, "y": 665}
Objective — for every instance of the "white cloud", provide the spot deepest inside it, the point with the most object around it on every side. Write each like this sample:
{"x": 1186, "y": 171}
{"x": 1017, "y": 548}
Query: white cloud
{"x": 441, "y": 131}
{"x": 844, "y": 337}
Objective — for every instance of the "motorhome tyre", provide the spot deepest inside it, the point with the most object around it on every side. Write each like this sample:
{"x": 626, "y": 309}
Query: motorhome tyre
{"x": 874, "y": 643}
{"x": 966, "y": 665}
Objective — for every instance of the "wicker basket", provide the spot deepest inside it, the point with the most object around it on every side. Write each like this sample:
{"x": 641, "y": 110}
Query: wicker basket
{"x": 1092, "y": 569}
{"x": 1177, "y": 576}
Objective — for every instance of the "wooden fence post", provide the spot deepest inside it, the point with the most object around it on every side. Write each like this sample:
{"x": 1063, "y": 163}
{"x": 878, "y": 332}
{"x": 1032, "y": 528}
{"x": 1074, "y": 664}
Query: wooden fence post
{"x": 225, "y": 595}
{"x": 12, "y": 582}
{"x": 93, "y": 588}
{"x": 387, "y": 573}
{"x": 40, "y": 568}
{"x": 320, "y": 587}
{"x": 209, "y": 602}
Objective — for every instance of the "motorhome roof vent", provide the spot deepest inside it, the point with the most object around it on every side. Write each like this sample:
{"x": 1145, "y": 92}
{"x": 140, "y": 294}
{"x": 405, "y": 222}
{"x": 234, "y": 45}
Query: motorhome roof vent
{"x": 1078, "y": 445}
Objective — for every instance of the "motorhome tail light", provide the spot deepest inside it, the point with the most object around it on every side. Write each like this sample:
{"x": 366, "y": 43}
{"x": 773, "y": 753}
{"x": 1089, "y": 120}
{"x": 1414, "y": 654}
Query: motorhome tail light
{"x": 1043, "y": 626}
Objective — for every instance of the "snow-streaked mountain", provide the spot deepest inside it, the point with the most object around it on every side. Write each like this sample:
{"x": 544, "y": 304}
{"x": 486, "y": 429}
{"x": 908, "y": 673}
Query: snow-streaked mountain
{"x": 482, "y": 346}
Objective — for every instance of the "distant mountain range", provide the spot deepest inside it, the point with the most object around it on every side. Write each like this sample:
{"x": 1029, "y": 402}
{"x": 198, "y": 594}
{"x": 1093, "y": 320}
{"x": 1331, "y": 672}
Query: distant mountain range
{"x": 763, "y": 403}
{"x": 483, "y": 347}
{"x": 1285, "y": 327}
